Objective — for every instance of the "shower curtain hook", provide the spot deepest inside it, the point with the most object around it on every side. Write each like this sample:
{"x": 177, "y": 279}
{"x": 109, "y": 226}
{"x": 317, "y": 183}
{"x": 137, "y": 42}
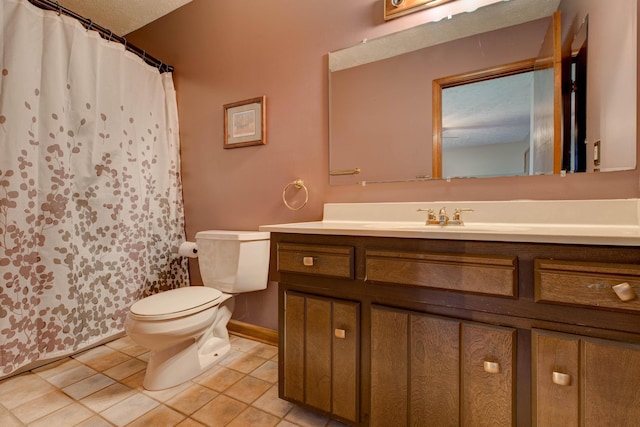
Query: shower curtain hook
{"x": 90, "y": 25}
{"x": 58, "y": 6}
{"x": 160, "y": 66}
{"x": 144, "y": 56}
{"x": 125, "y": 43}
{"x": 110, "y": 35}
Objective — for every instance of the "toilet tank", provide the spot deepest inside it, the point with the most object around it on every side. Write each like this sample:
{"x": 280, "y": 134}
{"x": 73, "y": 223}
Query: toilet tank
{"x": 233, "y": 261}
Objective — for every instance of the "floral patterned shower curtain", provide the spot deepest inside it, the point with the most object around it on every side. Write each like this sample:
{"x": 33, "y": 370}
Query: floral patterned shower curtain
{"x": 91, "y": 208}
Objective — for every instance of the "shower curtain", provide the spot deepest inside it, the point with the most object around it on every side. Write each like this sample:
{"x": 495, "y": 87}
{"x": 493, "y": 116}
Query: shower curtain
{"x": 91, "y": 208}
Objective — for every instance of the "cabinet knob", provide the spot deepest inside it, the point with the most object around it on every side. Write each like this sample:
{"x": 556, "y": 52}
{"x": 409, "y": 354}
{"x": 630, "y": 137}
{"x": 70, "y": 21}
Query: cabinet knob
{"x": 340, "y": 333}
{"x": 491, "y": 367}
{"x": 307, "y": 261}
{"x": 625, "y": 292}
{"x": 561, "y": 379}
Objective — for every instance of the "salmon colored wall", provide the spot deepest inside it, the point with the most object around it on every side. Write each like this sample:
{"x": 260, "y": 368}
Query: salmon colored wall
{"x": 229, "y": 50}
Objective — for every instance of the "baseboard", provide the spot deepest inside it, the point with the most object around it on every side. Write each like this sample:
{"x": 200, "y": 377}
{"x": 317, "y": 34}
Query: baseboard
{"x": 254, "y": 332}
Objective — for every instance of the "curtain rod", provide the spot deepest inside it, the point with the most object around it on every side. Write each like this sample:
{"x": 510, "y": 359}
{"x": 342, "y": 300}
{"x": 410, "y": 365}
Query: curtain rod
{"x": 104, "y": 33}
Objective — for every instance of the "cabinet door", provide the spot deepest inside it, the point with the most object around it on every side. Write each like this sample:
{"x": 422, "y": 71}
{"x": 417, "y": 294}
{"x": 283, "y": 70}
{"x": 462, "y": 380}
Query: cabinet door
{"x": 581, "y": 381}
{"x": 488, "y": 381}
{"x": 414, "y": 369}
{"x": 555, "y": 379}
{"x": 320, "y": 366}
{"x": 611, "y": 383}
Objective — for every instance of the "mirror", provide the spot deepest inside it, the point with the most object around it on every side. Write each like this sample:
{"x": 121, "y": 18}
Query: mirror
{"x": 381, "y": 91}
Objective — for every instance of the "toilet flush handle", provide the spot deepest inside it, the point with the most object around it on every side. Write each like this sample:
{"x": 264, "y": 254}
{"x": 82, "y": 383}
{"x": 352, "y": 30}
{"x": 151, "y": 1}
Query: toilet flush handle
{"x": 307, "y": 261}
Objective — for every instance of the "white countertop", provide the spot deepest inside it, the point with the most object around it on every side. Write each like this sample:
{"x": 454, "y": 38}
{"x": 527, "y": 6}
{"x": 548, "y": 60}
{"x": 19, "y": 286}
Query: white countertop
{"x": 596, "y": 222}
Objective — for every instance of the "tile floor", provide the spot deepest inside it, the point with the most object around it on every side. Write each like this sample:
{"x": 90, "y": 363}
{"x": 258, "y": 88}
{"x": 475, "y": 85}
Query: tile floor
{"x": 103, "y": 387}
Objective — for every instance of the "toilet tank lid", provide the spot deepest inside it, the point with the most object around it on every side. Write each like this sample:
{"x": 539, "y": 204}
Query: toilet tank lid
{"x": 233, "y": 235}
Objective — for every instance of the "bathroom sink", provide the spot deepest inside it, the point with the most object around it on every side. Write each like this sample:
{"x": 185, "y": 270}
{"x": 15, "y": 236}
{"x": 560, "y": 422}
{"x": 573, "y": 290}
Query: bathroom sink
{"x": 466, "y": 228}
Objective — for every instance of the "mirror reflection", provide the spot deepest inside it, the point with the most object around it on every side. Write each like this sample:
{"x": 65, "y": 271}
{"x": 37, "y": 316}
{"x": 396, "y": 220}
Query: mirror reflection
{"x": 382, "y": 105}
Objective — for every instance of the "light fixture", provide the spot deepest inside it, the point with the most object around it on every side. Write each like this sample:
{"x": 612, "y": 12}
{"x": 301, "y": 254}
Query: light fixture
{"x": 434, "y": 10}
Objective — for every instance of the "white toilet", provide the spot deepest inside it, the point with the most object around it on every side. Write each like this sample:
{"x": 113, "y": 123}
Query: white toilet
{"x": 186, "y": 328}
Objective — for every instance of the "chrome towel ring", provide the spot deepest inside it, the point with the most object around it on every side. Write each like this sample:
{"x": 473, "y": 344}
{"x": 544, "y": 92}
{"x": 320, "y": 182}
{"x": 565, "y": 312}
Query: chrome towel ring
{"x": 298, "y": 184}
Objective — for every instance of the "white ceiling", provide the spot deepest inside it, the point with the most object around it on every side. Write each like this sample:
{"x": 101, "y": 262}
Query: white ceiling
{"x": 122, "y": 16}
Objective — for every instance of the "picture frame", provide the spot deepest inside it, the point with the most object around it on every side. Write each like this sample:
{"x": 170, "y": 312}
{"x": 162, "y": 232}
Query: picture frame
{"x": 245, "y": 123}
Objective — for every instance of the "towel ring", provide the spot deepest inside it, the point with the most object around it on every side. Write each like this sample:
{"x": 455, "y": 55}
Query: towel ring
{"x": 299, "y": 184}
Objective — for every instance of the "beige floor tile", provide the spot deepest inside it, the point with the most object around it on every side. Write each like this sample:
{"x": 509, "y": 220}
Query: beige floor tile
{"x": 255, "y": 418}
{"x": 71, "y": 376}
{"x": 87, "y": 386}
{"x": 248, "y": 389}
{"x": 245, "y": 363}
{"x": 305, "y": 418}
{"x": 168, "y": 393}
{"x": 135, "y": 381}
{"x": 285, "y": 423}
{"x": 241, "y": 344}
{"x": 55, "y": 368}
{"x": 127, "y": 346}
{"x": 221, "y": 379}
{"x": 22, "y": 388}
{"x": 107, "y": 397}
{"x": 95, "y": 421}
{"x": 129, "y": 409}
{"x": 41, "y": 406}
{"x": 126, "y": 369}
{"x": 161, "y": 416}
{"x": 219, "y": 411}
{"x": 192, "y": 399}
{"x": 70, "y": 415}
{"x": 102, "y": 358}
{"x": 264, "y": 350}
{"x": 268, "y": 371}
{"x": 144, "y": 356}
{"x": 271, "y": 403}
{"x": 7, "y": 419}
{"x": 190, "y": 423}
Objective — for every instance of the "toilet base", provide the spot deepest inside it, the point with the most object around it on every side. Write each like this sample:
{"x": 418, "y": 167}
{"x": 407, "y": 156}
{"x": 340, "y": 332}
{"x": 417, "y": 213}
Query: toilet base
{"x": 175, "y": 365}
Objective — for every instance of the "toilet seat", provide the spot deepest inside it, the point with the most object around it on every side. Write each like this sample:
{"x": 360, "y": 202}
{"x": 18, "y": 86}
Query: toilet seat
{"x": 175, "y": 303}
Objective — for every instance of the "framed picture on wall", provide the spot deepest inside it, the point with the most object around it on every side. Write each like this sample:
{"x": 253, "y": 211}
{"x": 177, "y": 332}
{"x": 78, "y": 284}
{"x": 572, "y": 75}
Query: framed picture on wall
{"x": 245, "y": 123}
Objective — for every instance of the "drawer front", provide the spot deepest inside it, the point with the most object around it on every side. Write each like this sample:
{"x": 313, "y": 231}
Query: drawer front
{"x": 588, "y": 284}
{"x": 493, "y": 275}
{"x": 330, "y": 261}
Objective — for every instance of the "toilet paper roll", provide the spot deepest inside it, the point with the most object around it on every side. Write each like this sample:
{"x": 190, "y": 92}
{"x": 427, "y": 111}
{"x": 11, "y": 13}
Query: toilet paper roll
{"x": 188, "y": 249}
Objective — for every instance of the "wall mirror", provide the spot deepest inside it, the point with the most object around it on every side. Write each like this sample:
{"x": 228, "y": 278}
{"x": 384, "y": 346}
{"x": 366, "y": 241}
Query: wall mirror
{"x": 381, "y": 94}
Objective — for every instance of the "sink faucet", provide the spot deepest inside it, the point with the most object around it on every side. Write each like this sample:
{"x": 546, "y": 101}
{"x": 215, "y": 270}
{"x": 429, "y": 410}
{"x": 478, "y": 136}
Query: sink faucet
{"x": 443, "y": 219}
{"x": 431, "y": 216}
{"x": 457, "y": 216}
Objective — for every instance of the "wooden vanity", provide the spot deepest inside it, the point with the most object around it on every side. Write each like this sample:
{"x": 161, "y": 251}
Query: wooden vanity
{"x": 395, "y": 331}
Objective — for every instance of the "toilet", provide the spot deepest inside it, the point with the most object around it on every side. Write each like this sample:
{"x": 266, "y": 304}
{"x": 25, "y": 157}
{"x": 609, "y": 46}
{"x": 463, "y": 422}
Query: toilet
{"x": 186, "y": 328}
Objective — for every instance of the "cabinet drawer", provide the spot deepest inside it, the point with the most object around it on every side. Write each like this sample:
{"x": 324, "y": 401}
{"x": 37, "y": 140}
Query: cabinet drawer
{"x": 586, "y": 283}
{"x": 491, "y": 274}
{"x": 331, "y": 261}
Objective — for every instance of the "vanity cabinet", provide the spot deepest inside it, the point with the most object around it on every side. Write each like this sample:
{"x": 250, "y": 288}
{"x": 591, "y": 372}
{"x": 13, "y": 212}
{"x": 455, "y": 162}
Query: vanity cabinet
{"x": 429, "y": 370}
{"x": 321, "y": 337}
{"x": 386, "y": 331}
{"x": 585, "y": 381}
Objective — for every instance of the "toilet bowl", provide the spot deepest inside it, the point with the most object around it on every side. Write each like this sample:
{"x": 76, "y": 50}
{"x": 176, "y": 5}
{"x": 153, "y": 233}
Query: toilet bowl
{"x": 186, "y": 328}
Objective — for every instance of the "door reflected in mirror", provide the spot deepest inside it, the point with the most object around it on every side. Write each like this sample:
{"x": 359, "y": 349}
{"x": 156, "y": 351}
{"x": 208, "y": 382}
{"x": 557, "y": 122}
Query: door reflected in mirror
{"x": 486, "y": 127}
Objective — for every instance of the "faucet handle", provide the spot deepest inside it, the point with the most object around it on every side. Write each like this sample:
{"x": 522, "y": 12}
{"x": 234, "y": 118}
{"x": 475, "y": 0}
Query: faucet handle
{"x": 457, "y": 215}
{"x": 431, "y": 216}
